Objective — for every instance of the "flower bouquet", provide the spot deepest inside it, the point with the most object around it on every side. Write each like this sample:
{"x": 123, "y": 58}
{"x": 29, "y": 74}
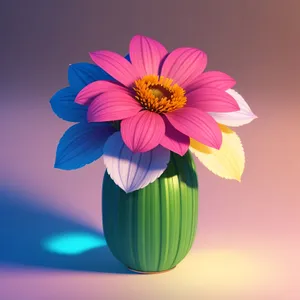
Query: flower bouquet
{"x": 145, "y": 114}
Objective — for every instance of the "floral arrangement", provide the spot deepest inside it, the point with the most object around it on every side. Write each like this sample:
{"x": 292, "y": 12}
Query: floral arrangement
{"x": 134, "y": 111}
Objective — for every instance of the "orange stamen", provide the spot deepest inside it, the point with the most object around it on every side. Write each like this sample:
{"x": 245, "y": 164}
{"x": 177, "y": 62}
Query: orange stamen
{"x": 157, "y": 94}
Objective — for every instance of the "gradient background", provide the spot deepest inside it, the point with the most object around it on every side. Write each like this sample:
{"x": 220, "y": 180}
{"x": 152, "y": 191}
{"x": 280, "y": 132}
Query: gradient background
{"x": 248, "y": 240}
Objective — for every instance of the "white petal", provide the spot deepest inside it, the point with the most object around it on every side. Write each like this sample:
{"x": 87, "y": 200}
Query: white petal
{"x": 132, "y": 171}
{"x": 237, "y": 118}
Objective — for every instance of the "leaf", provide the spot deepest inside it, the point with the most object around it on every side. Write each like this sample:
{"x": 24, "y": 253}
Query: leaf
{"x": 227, "y": 162}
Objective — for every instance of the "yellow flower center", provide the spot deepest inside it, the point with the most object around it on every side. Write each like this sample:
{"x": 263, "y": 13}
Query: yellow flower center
{"x": 158, "y": 94}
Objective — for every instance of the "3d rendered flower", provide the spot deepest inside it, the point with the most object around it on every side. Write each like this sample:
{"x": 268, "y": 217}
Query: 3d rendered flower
{"x": 133, "y": 111}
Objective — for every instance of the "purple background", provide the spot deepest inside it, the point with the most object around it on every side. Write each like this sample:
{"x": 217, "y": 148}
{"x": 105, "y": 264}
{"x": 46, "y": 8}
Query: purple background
{"x": 248, "y": 240}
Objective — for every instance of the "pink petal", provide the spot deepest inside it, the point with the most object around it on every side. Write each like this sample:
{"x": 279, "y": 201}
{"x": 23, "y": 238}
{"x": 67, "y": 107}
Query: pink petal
{"x": 198, "y": 125}
{"x": 146, "y": 55}
{"x": 212, "y": 79}
{"x": 174, "y": 140}
{"x": 116, "y": 66}
{"x": 112, "y": 106}
{"x": 133, "y": 171}
{"x": 143, "y": 132}
{"x": 211, "y": 100}
{"x": 184, "y": 65}
{"x": 88, "y": 93}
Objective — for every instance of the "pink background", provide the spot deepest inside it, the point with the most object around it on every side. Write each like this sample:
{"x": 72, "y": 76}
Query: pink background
{"x": 248, "y": 239}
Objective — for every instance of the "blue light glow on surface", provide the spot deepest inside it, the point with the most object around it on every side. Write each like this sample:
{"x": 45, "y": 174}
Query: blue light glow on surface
{"x": 73, "y": 243}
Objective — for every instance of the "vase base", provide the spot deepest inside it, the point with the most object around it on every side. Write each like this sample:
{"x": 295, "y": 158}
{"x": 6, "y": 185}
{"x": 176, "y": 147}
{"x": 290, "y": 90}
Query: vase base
{"x": 150, "y": 272}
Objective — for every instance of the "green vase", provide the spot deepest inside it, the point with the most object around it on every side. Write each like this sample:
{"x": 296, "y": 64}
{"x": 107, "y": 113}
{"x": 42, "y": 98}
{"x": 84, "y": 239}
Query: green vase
{"x": 152, "y": 229}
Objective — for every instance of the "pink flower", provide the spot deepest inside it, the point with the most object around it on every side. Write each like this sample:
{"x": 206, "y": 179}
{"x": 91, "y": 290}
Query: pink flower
{"x": 160, "y": 98}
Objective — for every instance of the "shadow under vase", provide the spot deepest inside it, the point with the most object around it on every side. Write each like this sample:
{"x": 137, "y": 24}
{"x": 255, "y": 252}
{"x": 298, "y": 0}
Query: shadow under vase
{"x": 33, "y": 236}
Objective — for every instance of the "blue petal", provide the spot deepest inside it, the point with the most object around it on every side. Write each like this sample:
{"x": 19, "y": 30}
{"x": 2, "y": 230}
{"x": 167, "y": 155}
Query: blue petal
{"x": 82, "y": 144}
{"x": 128, "y": 57}
{"x": 81, "y": 74}
{"x": 63, "y": 105}
{"x": 133, "y": 171}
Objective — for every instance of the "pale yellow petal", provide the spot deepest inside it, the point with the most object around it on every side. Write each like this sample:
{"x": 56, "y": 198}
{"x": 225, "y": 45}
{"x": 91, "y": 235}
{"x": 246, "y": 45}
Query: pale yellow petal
{"x": 227, "y": 162}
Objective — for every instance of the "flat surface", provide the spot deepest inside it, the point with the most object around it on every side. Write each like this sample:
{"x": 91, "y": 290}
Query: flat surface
{"x": 248, "y": 238}
{"x": 224, "y": 273}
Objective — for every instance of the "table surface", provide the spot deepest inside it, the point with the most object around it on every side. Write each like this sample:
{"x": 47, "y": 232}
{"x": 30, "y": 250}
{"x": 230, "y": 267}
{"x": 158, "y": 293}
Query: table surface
{"x": 46, "y": 254}
{"x": 224, "y": 273}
